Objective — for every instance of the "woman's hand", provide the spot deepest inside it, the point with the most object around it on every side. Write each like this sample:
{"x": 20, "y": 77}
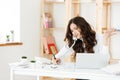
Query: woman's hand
{"x": 56, "y": 60}
{"x": 107, "y": 34}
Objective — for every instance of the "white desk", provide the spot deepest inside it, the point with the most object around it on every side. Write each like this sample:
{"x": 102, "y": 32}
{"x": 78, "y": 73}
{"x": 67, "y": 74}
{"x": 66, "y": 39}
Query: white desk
{"x": 66, "y": 71}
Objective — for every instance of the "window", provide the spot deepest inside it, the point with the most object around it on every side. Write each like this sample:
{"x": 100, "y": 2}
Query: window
{"x": 9, "y": 21}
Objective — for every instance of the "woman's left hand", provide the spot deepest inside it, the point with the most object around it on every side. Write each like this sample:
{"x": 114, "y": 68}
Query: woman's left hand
{"x": 107, "y": 34}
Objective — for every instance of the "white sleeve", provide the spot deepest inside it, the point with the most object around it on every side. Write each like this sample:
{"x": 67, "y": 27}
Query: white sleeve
{"x": 101, "y": 49}
{"x": 65, "y": 51}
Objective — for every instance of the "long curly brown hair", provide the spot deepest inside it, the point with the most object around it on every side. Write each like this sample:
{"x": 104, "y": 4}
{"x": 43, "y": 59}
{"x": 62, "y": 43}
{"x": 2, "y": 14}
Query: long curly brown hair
{"x": 88, "y": 35}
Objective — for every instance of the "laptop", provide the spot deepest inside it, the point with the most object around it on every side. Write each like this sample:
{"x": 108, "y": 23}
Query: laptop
{"x": 89, "y": 61}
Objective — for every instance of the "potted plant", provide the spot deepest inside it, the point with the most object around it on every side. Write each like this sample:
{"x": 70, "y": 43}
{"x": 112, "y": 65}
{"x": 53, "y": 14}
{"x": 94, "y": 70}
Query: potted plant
{"x": 24, "y": 57}
{"x": 32, "y": 65}
{"x": 24, "y": 60}
{"x": 32, "y": 61}
{"x": 7, "y": 38}
{"x": 12, "y": 35}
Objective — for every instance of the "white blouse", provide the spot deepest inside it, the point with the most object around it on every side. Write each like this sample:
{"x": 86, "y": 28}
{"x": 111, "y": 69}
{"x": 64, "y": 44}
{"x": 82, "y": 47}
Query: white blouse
{"x": 99, "y": 49}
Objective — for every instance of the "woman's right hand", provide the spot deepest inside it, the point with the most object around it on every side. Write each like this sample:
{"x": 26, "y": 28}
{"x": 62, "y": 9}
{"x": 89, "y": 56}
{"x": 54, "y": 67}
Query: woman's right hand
{"x": 56, "y": 60}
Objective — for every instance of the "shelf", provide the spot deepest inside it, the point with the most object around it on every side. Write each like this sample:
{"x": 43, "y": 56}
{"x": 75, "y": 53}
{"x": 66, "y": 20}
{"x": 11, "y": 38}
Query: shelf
{"x": 59, "y": 28}
{"x": 114, "y": 61}
{"x": 11, "y": 44}
{"x": 83, "y": 1}
{"x": 110, "y": 2}
{"x": 94, "y": 1}
{"x": 54, "y": 2}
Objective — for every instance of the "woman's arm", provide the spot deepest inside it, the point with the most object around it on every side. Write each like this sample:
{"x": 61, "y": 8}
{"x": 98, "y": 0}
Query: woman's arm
{"x": 106, "y": 35}
{"x": 102, "y": 44}
{"x": 65, "y": 51}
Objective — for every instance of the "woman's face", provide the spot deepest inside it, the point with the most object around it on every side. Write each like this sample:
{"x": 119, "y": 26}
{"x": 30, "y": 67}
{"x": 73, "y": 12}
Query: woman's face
{"x": 75, "y": 31}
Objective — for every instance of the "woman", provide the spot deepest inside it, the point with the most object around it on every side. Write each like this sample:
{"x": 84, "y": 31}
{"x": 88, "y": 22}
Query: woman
{"x": 87, "y": 40}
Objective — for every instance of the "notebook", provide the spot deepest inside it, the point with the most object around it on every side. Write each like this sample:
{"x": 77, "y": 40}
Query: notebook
{"x": 89, "y": 60}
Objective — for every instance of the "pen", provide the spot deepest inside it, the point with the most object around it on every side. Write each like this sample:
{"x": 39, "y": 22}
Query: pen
{"x": 54, "y": 56}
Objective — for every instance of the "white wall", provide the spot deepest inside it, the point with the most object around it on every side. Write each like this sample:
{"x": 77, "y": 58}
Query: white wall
{"x": 30, "y": 36}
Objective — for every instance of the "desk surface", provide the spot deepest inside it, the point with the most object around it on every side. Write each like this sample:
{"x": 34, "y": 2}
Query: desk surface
{"x": 63, "y": 71}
